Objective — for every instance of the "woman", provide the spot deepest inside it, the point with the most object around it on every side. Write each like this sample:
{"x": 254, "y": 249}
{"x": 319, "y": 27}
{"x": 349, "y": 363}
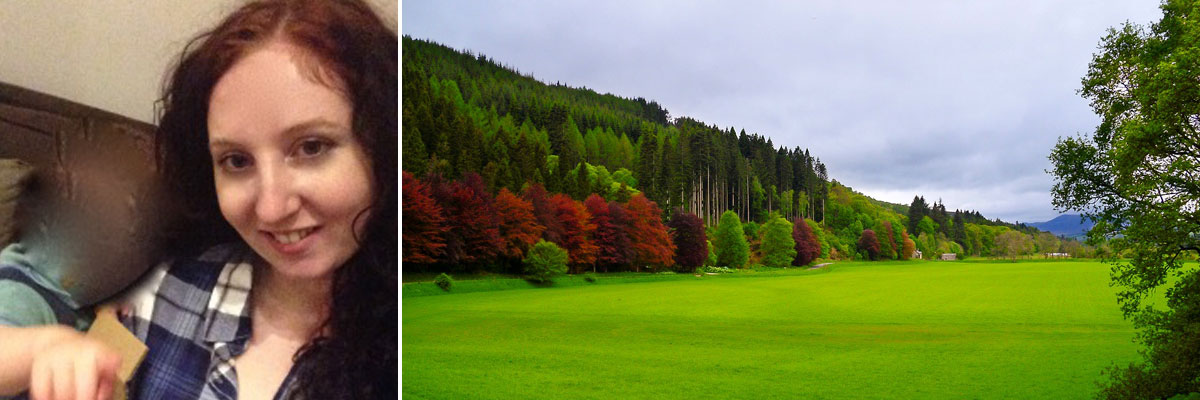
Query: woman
{"x": 279, "y": 133}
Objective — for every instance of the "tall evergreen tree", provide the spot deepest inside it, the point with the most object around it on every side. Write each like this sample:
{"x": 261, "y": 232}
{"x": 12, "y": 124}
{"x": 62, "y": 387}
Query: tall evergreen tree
{"x": 959, "y": 229}
{"x": 917, "y": 210}
{"x": 647, "y": 170}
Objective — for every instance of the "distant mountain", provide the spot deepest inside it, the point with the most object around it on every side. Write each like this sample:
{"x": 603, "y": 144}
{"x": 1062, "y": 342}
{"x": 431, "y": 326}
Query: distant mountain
{"x": 1070, "y": 225}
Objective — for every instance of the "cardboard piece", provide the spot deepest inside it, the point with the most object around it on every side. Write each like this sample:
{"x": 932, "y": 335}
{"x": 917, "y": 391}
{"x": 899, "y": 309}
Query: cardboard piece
{"x": 109, "y": 331}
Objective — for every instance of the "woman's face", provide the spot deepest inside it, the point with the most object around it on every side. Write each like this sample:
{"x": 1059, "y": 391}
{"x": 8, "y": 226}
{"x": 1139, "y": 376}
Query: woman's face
{"x": 290, "y": 175}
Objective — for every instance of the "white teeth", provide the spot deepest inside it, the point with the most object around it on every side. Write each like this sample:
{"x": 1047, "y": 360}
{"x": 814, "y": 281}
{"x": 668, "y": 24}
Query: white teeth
{"x": 292, "y": 237}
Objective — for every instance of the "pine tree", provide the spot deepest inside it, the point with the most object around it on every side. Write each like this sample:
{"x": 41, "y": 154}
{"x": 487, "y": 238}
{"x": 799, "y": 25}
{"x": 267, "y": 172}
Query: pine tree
{"x": 647, "y": 169}
{"x": 917, "y": 210}
{"x": 959, "y": 230}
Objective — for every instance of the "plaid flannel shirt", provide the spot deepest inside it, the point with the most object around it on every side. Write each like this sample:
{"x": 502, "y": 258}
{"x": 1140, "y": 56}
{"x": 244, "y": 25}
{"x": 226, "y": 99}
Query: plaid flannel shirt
{"x": 193, "y": 316}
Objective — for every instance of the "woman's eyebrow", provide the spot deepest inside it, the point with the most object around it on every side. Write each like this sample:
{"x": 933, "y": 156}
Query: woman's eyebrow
{"x": 217, "y": 144}
{"x": 290, "y": 132}
{"x": 306, "y": 126}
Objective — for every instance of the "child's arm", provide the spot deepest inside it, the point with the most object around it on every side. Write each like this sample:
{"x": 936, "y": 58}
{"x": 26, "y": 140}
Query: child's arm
{"x": 54, "y": 361}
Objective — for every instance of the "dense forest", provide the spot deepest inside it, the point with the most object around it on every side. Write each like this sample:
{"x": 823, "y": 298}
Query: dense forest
{"x": 478, "y": 134}
{"x": 464, "y": 113}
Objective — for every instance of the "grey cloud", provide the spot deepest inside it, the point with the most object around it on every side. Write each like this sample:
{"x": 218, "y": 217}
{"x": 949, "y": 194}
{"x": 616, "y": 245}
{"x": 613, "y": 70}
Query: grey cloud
{"x": 950, "y": 99}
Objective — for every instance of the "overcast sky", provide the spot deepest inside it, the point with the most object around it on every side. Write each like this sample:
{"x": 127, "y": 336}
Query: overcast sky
{"x": 957, "y": 100}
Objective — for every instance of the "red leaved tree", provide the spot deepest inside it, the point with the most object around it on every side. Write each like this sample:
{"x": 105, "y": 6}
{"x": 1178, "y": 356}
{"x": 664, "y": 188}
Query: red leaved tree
{"x": 544, "y": 212}
{"x": 889, "y": 237}
{"x": 651, "y": 243}
{"x": 620, "y": 220}
{"x": 519, "y": 229}
{"x": 577, "y": 229}
{"x": 869, "y": 243}
{"x": 807, "y": 246}
{"x": 691, "y": 243}
{"x": 909, "y": 246}
{"x": 474, "y": 234}
{"x": 424, "y": 224}
{"x": 612, "y": 243}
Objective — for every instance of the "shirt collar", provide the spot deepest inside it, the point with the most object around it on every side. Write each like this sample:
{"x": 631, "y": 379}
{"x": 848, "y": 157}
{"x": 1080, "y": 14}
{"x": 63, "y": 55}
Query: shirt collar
{"x": 227, "y": 314}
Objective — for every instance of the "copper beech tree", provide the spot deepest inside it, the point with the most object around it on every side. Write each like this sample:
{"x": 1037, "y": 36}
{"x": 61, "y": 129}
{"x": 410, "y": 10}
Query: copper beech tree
{"x": 691, "y": 243}
{"x": 423, "y": 225}
{"x": 807, "y": 247}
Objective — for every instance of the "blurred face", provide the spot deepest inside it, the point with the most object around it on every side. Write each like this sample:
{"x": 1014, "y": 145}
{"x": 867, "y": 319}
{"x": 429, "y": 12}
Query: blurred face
{"x": 290, "y": 175}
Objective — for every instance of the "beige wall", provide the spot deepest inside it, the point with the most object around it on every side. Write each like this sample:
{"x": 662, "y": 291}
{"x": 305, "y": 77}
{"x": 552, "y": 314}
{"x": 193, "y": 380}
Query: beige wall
{"x": 109, "y": 54}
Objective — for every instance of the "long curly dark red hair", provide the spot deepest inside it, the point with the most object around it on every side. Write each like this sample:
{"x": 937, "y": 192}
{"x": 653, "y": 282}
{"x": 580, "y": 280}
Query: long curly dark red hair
{"x": 346, "y": 40}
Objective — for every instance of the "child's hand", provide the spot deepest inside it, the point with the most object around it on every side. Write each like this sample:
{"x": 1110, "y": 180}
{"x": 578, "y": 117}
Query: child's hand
{"x": 73, "y": 366}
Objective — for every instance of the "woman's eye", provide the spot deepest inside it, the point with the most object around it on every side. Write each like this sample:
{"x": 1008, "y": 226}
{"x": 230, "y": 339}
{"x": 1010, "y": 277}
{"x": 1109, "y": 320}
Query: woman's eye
{"x": 235, "y": 162}
{"x": 312, "y": 148}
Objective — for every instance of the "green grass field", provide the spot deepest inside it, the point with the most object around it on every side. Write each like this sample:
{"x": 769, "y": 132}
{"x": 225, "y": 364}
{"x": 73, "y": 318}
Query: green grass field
{"x": 858, "y": 330}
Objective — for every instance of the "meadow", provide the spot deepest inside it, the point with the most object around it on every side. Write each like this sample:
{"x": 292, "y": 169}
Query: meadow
{"x": 851, "y": 330}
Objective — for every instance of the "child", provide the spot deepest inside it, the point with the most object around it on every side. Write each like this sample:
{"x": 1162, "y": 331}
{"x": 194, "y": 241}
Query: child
{"x": 74, "y": 252}
{"x": 40, "y": 334}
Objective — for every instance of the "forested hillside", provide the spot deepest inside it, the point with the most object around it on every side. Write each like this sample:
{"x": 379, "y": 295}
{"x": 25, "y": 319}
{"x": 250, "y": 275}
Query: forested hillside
{"x": 463, "y": 112}
{"x": 580, "y": 170}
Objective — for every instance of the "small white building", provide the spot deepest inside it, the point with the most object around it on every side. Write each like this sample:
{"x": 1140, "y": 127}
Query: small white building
{"x": 1058, "y": 255}
{"x": 916, "y": 255}
{"x": 949, "y": 257}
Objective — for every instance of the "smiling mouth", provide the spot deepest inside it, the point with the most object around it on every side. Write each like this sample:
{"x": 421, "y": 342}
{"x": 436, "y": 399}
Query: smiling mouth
{"x": 290, "y": 237}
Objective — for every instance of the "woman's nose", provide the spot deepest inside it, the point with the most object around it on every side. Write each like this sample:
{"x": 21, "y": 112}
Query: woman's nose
{"x": 277, "y": 200}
